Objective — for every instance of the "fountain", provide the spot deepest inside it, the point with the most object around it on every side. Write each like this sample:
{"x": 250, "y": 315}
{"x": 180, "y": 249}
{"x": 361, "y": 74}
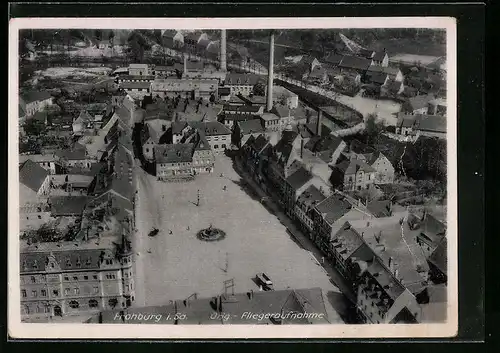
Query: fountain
{"x": 211, "y": 234}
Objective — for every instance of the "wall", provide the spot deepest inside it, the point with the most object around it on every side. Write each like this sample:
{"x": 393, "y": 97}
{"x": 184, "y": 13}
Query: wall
{"x": 219, "y": 143}
{"x": 244, "y": 90}
{"x": 385, "y": 171}
{"x": 147, "y": 149}
{"x": 33, "y": 220}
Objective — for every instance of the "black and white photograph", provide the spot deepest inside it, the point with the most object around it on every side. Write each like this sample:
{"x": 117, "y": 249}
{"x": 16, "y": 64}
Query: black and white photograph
{"x": 240, "y": 174}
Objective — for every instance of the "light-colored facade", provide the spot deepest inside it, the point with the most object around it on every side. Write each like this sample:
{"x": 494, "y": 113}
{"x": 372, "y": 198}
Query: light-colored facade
{"x": 37, "y": 106}
{"x": 58, "y": 279}
{"x": 193, "y": 89}
{"x": 139, "y": 70}
{"x": 219, "y": 143}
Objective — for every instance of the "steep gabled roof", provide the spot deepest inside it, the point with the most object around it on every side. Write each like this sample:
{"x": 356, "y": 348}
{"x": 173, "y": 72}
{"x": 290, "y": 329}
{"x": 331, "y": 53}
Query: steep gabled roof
{"x": 32, "y": 175}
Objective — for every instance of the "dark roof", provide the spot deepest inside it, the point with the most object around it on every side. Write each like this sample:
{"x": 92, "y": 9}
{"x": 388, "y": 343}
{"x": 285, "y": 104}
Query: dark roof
{"x": 307, "y": 59}
{"x": 432, "y": 228}
{"x": 311, "y": 196}
{"x": 242, "y": 108}
{"x": 224, "y": 91}
{"x": 353, "y": 166}
{"x": 348, "y": 242}
{"x": 381, "y": 208}
{"x": 299, "y": 178}
{"x": 194, "y": 65}
{"x": 33, "y": 96}
{"x": 88, "y": 259}
{"x": 393, "y": 86}
{"x": 72, "y": 154}
{"x": 324, "y": 143}
{"x": 318, "y": 72}
{"x": 281, "y": 111}
{"x": 211, "y": 128}
{"x": 135, "y": 85}
{"x": 67, "y": 205}
{"x": 175, "y": 153}
{"x": 203, "y": 43}
{"x": 379, "y": 56}
{"x": 169, "y": 33}
{"x": 366, "y": 53}
{"x": 288, "y": 137}
{"x": 333, "y": 208}
{"x": 178, "y": 126}
{"x": 333, "y": 59}
{"x": 432, "y": 123}
{"x": 32, "y": 175}
{"x": 439, "y": 257}
{"x": 355, "y": 62}
{"x": 378, "y": 77}
{"x": 40, "y": 116}
{"x": 419, "y": 102}
{"x": 239, "y": 117}
{"x": 241, "y": 79}
{"x": 250, "y": 126}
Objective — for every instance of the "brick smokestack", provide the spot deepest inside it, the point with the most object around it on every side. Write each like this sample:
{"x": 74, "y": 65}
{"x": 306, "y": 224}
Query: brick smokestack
{"x": 318, "y": 126}
{"x": 270, "y": 73}
{"x": 223, "y": 64}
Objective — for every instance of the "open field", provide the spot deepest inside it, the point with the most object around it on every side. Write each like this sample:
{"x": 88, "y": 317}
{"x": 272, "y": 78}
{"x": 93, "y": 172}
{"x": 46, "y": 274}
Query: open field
{"x": 179, "y": 264}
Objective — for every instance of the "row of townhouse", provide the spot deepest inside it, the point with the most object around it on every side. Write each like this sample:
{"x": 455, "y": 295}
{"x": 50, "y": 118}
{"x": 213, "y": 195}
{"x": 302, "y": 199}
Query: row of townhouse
{"x": 365, "y": 249}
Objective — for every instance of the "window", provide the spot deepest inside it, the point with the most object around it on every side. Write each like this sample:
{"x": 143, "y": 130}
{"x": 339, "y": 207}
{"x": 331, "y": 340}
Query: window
{"x": 147, "y": 150}
{"x": 109, "y": 262}
{"x": 216, "y": 146}
{"x": 96, "y": 290}
{"x": 75, "y": 278}
{"x": 76, "y": 291}
{"x": 43, "y": 293}
{"x": 66, "y": 291}
{"x": 66, "y": 278}
{"x": 33, "y": 279}
{"x": 94, "y": 276}
{"x": 85, "y": 278}
{"x": 93, "y": 303}
{"x": 34, "y": 293}
{"x": 55, "y": 292}
{"x": 78, "y": 262}
{"x": 74, "y": 304}
{"x": 68, "y": 262}
{"x": 26, "y": 309}
{"x": 23, "y": 293}
{"x": 88, "y": 261}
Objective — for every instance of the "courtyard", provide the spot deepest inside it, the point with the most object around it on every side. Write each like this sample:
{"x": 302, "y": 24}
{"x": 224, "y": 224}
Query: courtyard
{"x": 175, "y": 264}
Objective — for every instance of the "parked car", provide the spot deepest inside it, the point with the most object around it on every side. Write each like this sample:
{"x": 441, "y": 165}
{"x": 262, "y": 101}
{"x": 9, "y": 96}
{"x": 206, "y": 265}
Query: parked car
{"x": 153, "y": 232}
{"x": 265, "y": 281}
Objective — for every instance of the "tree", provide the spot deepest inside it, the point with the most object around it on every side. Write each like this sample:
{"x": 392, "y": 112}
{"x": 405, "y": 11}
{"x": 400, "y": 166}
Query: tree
{"x": 372, "y": 128}
{"x": 259, "y": 89}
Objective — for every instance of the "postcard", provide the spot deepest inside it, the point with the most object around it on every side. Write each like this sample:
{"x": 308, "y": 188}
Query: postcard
{"x": 220, "y": 175}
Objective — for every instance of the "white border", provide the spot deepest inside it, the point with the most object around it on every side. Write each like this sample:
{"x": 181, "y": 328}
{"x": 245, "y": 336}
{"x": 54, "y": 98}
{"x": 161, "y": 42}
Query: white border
{"x": 17, "y": 329}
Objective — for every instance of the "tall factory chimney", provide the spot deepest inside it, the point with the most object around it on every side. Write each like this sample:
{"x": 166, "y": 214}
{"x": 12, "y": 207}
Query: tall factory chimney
{"x": 223, "y": 65}
{"x": 270, "y": 73}
{"x": 319, "y": 123}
